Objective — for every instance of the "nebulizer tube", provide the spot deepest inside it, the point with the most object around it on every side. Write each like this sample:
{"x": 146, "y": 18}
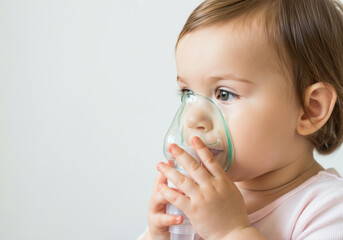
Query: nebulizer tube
{"x": 197, "y": 116}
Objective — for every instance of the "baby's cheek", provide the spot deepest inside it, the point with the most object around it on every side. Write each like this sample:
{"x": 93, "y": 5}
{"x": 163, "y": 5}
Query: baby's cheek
{"x": 251, "y": 139}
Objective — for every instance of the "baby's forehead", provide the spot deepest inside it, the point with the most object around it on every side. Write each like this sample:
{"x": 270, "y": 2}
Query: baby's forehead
{"x": 252, "y": 27}
{"x": 250, "y": 44}
{"x": 249, "y": 32}
{"x": 225, "y": 50}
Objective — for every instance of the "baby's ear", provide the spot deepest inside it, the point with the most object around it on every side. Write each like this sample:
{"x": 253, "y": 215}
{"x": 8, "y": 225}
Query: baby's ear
{"x": 319, "y": 101}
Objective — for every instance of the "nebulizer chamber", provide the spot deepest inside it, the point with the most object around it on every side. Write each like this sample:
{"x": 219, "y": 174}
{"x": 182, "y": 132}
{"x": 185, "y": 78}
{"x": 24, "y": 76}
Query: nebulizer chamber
{"x": 197, "y": 116}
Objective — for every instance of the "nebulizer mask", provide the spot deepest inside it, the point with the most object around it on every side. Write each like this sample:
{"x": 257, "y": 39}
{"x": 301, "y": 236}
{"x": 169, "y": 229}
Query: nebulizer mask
{"x": 197, "y": 116}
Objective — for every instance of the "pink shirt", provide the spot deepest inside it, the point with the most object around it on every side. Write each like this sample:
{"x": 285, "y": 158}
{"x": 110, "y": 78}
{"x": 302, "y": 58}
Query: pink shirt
{"x": 313, "y": 210}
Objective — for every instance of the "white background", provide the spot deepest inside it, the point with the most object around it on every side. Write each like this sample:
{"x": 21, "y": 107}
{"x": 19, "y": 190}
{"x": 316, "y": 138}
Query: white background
{"x": 88, "y": 90}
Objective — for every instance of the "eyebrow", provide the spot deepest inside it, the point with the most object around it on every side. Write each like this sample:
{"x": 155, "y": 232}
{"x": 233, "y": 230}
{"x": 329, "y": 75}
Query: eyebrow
{"x": 230, "y": 77}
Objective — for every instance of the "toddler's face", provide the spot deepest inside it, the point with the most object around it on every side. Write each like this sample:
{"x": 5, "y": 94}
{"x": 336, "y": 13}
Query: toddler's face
{"x": 238, "y": 70}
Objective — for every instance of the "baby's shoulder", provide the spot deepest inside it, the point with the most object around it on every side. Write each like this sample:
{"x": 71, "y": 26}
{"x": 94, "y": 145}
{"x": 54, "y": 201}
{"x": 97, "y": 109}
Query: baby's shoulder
{"x": 325, "y": 186}
{"x": 326, "y": 181}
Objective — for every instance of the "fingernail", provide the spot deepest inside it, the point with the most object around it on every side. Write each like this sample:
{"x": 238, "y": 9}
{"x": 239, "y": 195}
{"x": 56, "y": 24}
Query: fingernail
{"x": 178, "y": 219}
{"x": 172, "y": 148}
{"x": 196, "y": 141}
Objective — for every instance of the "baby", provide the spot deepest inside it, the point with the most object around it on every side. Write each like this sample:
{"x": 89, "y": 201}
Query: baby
{"x": 275, "y": 70}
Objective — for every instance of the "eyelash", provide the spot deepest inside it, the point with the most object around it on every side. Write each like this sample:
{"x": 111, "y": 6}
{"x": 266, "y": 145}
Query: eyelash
{"x": 218, "y": 91}
{"x": 181, "y": 91}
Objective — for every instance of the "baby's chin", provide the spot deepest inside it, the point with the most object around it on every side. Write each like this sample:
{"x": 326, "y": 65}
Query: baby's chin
{"x": 238, "y": 174}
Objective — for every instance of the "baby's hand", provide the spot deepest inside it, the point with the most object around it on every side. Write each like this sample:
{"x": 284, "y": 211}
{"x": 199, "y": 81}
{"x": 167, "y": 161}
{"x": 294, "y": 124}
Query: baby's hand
{"x": 212, "y": 202}
{"x": 159, "y": 221}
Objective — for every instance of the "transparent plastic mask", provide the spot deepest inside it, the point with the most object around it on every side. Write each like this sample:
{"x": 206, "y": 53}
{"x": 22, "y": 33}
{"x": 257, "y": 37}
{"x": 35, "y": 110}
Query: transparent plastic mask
{"x": 200, "y": 116}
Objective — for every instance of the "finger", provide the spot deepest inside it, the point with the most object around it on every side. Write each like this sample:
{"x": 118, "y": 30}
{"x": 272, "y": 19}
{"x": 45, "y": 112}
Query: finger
{"x": 160, "y": 179}
{"x": 193, "y": 167}
{"x": 170, "y": 163}
{"x": 206, "y": 157}
{"x": 180, "y": 201}
{"x": 182, "y": 182}
{"x": 166, "y": 220}
{"x": 157, "y": 203}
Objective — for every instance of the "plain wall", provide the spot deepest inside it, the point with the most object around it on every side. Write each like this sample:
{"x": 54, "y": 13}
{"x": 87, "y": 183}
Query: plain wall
{"x": 87, "y": 92}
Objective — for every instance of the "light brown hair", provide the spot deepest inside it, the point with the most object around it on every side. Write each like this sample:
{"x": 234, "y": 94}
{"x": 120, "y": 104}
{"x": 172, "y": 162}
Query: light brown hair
{"x": 307, "y": 36}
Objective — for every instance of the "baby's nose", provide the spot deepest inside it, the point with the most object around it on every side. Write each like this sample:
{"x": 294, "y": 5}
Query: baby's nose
{"x": 199, "y": 120}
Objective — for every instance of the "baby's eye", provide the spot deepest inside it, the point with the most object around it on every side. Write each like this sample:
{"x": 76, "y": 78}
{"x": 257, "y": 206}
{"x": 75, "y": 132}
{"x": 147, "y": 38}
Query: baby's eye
{"x": 185, "y": 93}
{"x": 225, "y": 95}
{"x": 186, "y": 90}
